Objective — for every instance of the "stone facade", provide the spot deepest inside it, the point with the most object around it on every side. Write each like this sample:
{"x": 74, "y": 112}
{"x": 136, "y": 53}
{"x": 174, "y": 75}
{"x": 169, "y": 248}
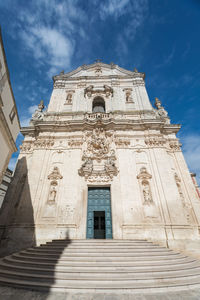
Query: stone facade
{"x": 9, "y": 121}
{"x": 100, "y": 130}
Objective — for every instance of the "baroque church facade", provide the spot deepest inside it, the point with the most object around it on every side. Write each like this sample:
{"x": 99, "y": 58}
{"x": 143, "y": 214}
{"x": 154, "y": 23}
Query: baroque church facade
{"x": 101, "y": 162}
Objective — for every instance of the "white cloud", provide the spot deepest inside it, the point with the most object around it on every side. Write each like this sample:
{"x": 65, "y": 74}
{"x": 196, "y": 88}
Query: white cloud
{"x": 49, "y": 46}
{"x": 25, "y": 121}
{"x": 49, "y": 31}
{"x": 191, "y": 150}
{"x": 26, "y": 116}
{"x": 115, "y": 8}
{"x": 32, "y": 109}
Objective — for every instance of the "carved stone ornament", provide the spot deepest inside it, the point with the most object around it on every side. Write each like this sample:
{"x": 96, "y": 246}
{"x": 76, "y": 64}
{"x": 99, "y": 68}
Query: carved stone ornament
{"x": 174, "y": 145}
{"x": 26, "y": 147}
{"x": 155, "y": 142}
{"x": 161, "y": 112}
{"x": 99, "y": 159}
{"x": 98, "y": 71}
{"x": 128, "y": 95}
{"x": 43, "y": 144}
{"x": 55, "y": 174}
{"x": 90, "y": 91}
{"x": 75, "y": 143}
{"x": 39, "y": 114}
{"x": 98, "y": 143}
{"x": 144, "y": 174}
{"x": 121, "y": 142}
{"x": 29, "y": 146}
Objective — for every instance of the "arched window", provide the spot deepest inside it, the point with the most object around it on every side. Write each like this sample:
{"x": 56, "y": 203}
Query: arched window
{"x": 98, "y": 105}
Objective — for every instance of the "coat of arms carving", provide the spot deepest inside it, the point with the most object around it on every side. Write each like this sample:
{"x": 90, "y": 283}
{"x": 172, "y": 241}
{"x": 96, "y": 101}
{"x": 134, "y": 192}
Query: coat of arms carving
{"x": 99, "y": 157}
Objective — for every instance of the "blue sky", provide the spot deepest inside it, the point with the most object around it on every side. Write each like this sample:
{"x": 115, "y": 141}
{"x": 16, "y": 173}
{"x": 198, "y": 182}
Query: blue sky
{"x": 160, "y": 38}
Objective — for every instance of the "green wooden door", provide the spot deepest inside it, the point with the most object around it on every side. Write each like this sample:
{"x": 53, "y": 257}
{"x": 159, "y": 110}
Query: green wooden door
{"x": 99, "y": 201}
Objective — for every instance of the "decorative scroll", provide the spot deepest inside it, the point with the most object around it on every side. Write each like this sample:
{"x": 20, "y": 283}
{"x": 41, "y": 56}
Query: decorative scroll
{"x": 90, "y": 91}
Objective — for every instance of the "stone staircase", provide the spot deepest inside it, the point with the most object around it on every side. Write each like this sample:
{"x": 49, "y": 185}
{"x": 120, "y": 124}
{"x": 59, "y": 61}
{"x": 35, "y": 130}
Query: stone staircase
{"x": 100, "y": 266}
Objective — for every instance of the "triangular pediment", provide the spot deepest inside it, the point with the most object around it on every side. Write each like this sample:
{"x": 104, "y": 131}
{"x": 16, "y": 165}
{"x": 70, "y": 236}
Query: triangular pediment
{"x": 99, "y": 69}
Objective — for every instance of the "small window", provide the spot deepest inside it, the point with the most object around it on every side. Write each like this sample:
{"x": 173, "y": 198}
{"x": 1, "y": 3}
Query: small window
{"x": 98, "y": 105}
{"x": 12, "y": 114}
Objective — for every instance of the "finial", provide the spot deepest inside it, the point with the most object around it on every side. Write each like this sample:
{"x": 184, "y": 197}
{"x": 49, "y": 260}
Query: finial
{"x": 135, "y": 70}
{"x": 62, "y": 72}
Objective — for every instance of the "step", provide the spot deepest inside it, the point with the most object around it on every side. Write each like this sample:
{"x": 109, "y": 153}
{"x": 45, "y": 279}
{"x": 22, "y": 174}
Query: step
{"x": 187, "y": 263}
{"x": 99, "y": 266}
{"x": 102, "y": 249}
{"x": 98, "y": 282}
{"x": 89, "y": 257}
{"x": 94, "y": 252}
{"x": 104, "y": 260}
{"x": 137, "y": 273}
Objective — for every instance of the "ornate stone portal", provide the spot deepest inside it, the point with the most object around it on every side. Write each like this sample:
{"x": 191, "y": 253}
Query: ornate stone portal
{"x": 127, "y": 147}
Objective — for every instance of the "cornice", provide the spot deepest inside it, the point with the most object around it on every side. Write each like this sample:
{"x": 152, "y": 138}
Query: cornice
{"x": 109, "y": 124}
{"x": 67, "y": 76}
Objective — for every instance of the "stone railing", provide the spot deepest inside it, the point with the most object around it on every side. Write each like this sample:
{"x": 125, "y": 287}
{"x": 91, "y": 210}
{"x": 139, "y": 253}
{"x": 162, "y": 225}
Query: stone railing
{"x": 98, "y": 115}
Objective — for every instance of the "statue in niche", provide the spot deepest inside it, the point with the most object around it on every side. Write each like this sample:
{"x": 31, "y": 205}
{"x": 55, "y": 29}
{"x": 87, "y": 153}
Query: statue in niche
{"x": 69, "y": 98}
{"x": 129, "y": 97}
{"x": 146, "y": 193}
{"x": 52, "y": 195}
{"x": 178, "y": 183}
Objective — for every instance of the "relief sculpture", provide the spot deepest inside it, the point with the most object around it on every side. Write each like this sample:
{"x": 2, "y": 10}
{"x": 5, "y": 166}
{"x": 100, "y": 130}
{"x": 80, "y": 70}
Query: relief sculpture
{"x": 149, "y": 207}
{"x": 99, "y": 157}
{"x": 188, "y": 211}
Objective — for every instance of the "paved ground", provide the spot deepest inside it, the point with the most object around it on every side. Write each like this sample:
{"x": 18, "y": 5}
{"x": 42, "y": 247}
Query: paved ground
{"x": 7, "y": 293}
